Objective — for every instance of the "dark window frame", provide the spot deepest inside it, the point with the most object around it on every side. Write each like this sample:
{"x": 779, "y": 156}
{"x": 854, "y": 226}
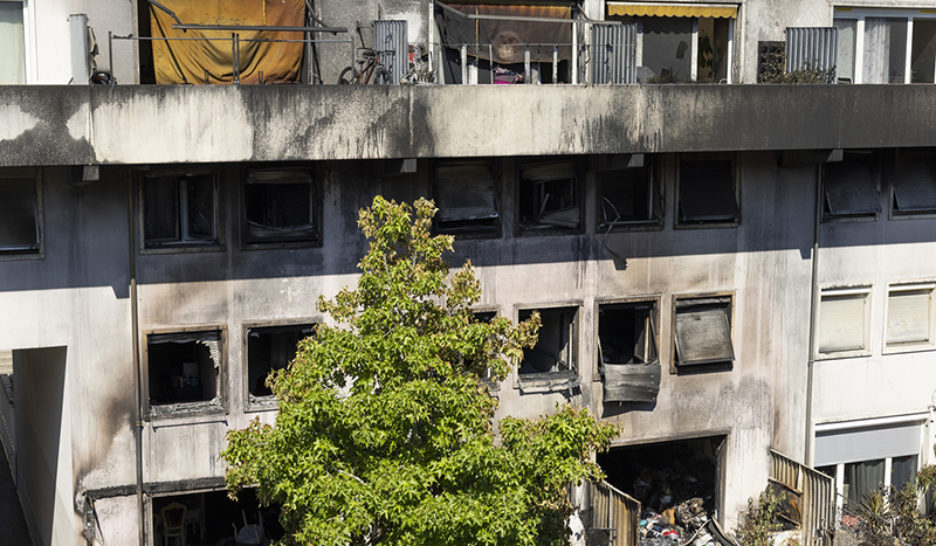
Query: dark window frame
{"x": 558, "y": 379}
{"x": 495, "y": 230}
{"x": 656, "y": 196}
{"x": 711, "y": 299}
{"x": 180, "y": 246}
{"x": 252, "y": 402}
{"x": 316, "y": 195}
{"x": 736, "y": 173}
{"x": 36, "y": 174}
{"x": 526, "y": 230}
{"x": 894, "y": 212}
{"x": 182, "y": 410}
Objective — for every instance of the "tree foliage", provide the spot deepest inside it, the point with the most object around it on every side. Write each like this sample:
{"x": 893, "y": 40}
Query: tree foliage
{"x": 385, "y": 431}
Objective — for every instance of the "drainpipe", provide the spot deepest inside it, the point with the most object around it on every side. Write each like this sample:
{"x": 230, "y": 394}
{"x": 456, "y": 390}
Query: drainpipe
{"x": 134, "y": 322}
{"x": 813, "y": 309}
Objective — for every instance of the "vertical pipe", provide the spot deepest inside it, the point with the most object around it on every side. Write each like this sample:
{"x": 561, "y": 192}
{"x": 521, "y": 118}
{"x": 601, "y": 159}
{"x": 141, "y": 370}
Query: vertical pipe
{"x": 137, "y": 375}
{"x": 813, "y": 311}
{"x": 464, "y": 63}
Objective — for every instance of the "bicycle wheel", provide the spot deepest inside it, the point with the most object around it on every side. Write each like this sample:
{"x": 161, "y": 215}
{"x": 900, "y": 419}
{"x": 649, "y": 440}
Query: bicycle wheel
{"x": 348, "y": 76}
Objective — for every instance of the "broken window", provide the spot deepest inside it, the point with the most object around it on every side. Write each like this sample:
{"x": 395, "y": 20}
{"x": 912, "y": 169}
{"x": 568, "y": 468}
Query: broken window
{"x": 915, "y": 184}
{"x": 843, "y": 320}
{"x": 183, "y": 369}
{"x": 466, "y": 196}
{"x": 19, "y": 212}
{"x": 627, "y": 352}
{"x": 180, "y": 210}
{"x": 279, "y": 206}
{"x": 703, "y": 331}
{"x": 707, "y": 191}
{"x": 850, "y": 186}
{"x": 555, "y": 347}
{"x": 271, "y": 348}
{"x": 910, "y": 315}
{"x": 549, "y": 195}
{"x": 630, "y": 196}
{"x": 213, "y": 518}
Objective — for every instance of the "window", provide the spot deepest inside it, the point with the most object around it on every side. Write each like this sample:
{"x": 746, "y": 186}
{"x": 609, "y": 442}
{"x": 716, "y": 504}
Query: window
{"x": 843, "y": 321}
{"x": 850, "y": 187}
{"x": 627, "y": 352}
{"x": 555, "y": 349}
{"x": 179, "y": 209}
{"x": 12, "y": 43}
{"x": 280, "y": 207}
{"x": 703, "y": 332}
{"x": 549, "y": 195}
{"x": 886, "y": 46}
{"x": 630, "y": 196}
{"x": 268, "y": 349}
{"x": 466, "y": 196}
{"x": 708, "y": 192}
{"x": 910, "y": 316}
{"x": 914, "y": 187}
{"x": 184, "y": 371}
{"x": 681, "y": 43}
{"x": 19, "y": 212}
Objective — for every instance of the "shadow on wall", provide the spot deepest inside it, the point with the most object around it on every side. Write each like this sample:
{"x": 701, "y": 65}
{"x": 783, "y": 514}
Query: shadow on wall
{"x": 39, "y": 388}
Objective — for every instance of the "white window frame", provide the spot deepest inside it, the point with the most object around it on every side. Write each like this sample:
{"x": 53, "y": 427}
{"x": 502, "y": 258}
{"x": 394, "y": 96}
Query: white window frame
{"x": 930, "y": 344}
{"x": 860, "y": 14}
{"x": 846, "y": 291}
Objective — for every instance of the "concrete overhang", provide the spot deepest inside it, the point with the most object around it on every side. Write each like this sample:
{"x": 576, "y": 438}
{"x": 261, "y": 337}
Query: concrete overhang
{"x": 74, "y": 125}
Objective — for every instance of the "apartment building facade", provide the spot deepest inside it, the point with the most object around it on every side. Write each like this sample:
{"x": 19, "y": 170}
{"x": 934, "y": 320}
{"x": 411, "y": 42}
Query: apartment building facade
{"x": 727, "y": 269}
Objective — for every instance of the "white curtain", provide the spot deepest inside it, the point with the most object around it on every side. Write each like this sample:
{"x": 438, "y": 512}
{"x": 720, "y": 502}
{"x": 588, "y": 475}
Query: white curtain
{"x": 12, "y": 58}
{"x": 885, "y": 50}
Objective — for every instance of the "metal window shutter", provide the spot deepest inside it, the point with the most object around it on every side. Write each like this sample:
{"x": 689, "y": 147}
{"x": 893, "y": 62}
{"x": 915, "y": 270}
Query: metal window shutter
{"x": 908, "y": 316}
{"x": 867, "y": 444}
{"x": 850, "y": 188}
{"x": 811, "y": 48}
{"x": 392, "y": 44}
{"x": 465, "y": 192}
{"x": 915, "y": 183}
{"x": 703, "y": 336}
{"x": 842, "y": 323}
{"x": 614, "y": 53}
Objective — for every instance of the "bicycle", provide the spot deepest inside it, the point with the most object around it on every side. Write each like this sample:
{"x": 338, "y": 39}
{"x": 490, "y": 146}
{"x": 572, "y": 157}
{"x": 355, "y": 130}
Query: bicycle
{"x": 370, "y": 65}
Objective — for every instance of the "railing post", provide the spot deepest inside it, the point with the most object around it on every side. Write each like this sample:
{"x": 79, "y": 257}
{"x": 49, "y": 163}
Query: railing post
{"x": 464, "y": 63}
{"x": 491, "y": 61}
{"x": 555, "y": 66}
{"x": 526, "y": 65}
{"x": 574, "y": 52}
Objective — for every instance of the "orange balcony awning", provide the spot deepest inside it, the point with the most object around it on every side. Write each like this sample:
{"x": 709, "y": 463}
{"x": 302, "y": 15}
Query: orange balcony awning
{"x": 627, "y": 9}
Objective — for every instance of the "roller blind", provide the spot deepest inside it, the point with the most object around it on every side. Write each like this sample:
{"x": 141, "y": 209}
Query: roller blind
{"x": 703, "y": 335}
{"x": 868, "y": 443}
{"x": 908, "y": 316}
{"x": 842, "y": 323}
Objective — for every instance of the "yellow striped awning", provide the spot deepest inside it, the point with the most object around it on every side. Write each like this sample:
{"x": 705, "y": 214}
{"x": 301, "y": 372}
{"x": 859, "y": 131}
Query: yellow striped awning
{"x": 673, "y": 10}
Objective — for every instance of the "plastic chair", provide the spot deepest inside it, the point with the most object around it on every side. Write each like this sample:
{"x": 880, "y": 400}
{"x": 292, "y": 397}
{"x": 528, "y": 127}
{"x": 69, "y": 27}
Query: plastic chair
{"x": 173, "y": 517}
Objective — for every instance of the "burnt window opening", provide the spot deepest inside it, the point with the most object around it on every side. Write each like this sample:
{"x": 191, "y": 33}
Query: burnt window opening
{"x": 915, "y": 184}
{"x": 183, "y": 368}
{"x": 466, "y": 196}
{"x": 268, "y": 349}
{"x": 627, "y": 352}
{"x": 708, "y": 191}
{"x": 213, "y": 518}
{"x": 630, "y": 196}
{"x": 554, "y": 351}
{"x": 703, "y": 332}
{"x": 180, "y": 210}
{"x": 280, "y": 206}
{"x": 850, "y": 187}
{"x": 549, "y": 196}
{"x": 19, "y": 214}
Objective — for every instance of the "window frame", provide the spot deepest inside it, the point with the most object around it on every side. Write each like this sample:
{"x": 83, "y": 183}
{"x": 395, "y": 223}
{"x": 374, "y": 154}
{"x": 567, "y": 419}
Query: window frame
{"x": 837, "y": 291}
{"x": 693, "y": 45}
{"x": 29, "y": 54}
{"x": 36, "y": 174}
{"x": 316, "y": 206}
{"x": 655, "y": 302}
{"x": 497, "y": 177}
{"x": 860, "y": 14}
{"x": 735, "y": 159}
{"x": 657, "y": 181}
{"x": 893, "y": 212}
{"x": 877, "y": 174}
{"x": 561, "y": 379}
{"x": 703, "y": 367}
{"x": 910, "y": 347}
{"x": 185, "y": 410}
{"x": 253, "y": 403}
{"x": 181, "y": 247}
{"x": 520, "y": 229}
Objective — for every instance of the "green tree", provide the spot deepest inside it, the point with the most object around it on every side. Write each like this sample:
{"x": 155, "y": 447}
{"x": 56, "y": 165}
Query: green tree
{"x": 385, "y": 431}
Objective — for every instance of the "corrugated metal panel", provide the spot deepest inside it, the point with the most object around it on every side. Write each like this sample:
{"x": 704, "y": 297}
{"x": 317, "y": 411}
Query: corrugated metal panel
{"x": 615, "y": 516}
{"x": 614, "y": 53}
{"x": 811, "y": 48}
{"x": 815, "y": 494}
{"x": 392, "y": 45}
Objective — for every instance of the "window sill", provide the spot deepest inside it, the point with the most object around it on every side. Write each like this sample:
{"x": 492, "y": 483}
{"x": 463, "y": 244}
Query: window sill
{"x": 550, "y": 231}
{"x": 928, "y": 215}
{"x": 182, "y": 410}
{"x": 181, "y": 249}
{"x": 623, "y": 227}
{"x": 707, "y": 225}
{"x": 21, "y": 255}
{"x": 545, "y": 382}
{"x": 909, "y": 348}
{"x": 704, "y": 367}
{"x": 281, "y": 245}
{"x": 261, "y": 403}
{"x": 827, "y": 219}
{"x": 841, "y": 355}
